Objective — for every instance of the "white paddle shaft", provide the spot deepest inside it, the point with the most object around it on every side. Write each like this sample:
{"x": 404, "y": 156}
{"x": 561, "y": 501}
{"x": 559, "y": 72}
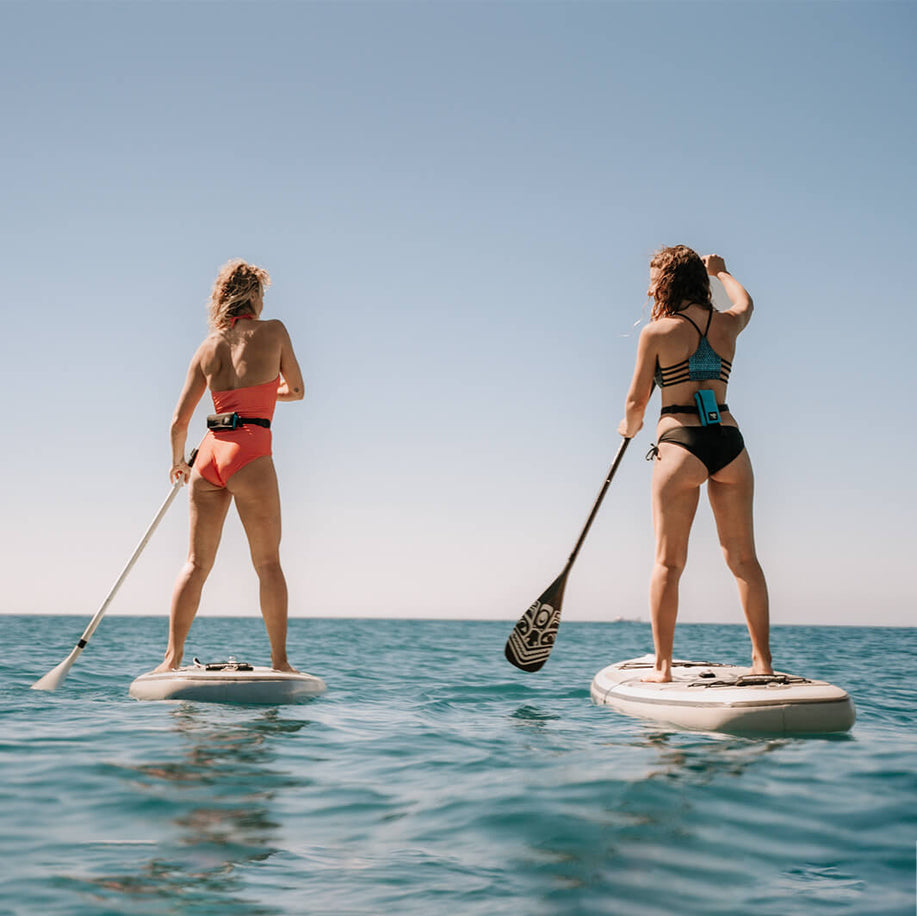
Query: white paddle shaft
{"x": 53, "y": 679}
{"x": 87, "y": 633}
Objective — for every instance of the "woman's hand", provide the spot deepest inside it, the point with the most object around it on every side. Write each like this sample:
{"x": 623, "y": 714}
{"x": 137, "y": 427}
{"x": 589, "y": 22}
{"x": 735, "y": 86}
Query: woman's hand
{"x": 627, "y": 434}
{"x": 715, "y": 264}
{"x": 180, "y": 471}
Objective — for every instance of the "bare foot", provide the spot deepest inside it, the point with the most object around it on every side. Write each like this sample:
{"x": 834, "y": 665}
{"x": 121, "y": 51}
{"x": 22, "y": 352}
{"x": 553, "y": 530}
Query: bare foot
{"x": 165, "y": 666}
{"x": 657, "y": 677}
{"x": 286, "y": 666}
{"x": 761, "y": 666}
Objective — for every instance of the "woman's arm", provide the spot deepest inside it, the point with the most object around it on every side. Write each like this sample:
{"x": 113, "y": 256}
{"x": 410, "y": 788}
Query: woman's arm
{"x": 742, "y": 305}
{"x": 292, "y": 387}
{"x": 193, "y": 390}
{"x": 641, "y": 386}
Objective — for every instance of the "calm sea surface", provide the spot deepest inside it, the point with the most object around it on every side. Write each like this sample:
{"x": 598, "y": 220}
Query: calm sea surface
{"x": 433, "y": 777}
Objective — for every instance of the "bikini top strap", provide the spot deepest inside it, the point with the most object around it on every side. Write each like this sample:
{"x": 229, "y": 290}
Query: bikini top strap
{"x": 699, "y": 331}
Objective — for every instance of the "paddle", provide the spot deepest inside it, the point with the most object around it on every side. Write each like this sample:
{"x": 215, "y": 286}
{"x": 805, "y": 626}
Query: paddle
{"x": 54, "y": 678}
{"x": 532, "y": 639}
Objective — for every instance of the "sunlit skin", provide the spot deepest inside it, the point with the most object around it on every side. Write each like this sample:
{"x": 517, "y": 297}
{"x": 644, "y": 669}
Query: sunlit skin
{"x": 251, "y": 353}
{"x": 678, "y": 474}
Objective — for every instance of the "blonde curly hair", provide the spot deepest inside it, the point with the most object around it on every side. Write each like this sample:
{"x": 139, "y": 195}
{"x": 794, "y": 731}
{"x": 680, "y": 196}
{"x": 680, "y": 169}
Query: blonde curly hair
{"x": 232, "y": 292}
{"x": 682, "y": 276}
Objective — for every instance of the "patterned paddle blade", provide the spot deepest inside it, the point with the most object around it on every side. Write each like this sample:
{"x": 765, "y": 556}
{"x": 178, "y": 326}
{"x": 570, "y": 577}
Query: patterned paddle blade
{"x": 532, "y": 639}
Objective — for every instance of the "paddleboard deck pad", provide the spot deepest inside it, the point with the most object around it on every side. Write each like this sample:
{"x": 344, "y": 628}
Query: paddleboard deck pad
{"x": 227, "y": 682}
{"x": 724, "y": 698}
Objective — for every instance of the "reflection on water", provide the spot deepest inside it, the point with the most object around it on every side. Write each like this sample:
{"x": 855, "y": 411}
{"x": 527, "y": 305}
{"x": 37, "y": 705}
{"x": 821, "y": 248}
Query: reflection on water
{"x": 699, "y": 758}
{"x": 652, "y": 809}
{"x": 706, "y": 759}
{"x": 217, "y": 797}
{"x": 531, "y": 715}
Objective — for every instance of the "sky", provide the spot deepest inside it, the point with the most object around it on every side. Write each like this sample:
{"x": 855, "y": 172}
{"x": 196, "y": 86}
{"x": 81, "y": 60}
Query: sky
{"x": 457, "y": 203}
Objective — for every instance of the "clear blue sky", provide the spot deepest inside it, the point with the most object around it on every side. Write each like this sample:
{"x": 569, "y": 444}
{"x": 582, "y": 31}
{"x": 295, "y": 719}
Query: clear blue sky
{"x": 457, "y": 203}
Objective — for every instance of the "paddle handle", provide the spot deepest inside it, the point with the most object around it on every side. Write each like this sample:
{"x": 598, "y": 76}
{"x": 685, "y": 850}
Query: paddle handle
{"x": 532, "y": 639}
{"x": 598, "y": 502}
{"x": 52, "y": 680}
{"x": 91, "y": 628}
{"x": 100, "y": 613}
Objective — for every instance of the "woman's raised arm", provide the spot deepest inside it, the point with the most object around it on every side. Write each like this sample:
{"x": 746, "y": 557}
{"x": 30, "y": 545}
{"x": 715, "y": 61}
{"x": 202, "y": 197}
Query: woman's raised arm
{"x": 742, "y": 304}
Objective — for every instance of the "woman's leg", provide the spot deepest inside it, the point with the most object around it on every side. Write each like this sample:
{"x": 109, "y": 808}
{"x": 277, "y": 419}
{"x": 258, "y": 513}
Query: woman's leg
{"x": 257, "y": 496}
{"x": 677, "y": 477}
{"x": 731, "y": 494}
{"x": 208, "y": 506}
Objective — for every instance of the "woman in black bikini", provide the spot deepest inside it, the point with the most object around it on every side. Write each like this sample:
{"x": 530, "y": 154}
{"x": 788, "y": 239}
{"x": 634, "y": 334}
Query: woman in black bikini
{"x": 687, "y": 350}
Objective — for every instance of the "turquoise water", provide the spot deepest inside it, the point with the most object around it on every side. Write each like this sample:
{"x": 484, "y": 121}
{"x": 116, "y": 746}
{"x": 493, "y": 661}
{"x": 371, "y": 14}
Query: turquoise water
{"x": 433, "y": 777}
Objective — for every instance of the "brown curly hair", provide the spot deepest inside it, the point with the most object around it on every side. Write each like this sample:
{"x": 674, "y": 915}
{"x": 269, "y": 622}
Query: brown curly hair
{"x": 232, "y": 292}
{"x": 682, "y": 276}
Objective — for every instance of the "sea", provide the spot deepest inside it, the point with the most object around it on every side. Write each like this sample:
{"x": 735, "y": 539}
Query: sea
{"x": 433, "y": 777}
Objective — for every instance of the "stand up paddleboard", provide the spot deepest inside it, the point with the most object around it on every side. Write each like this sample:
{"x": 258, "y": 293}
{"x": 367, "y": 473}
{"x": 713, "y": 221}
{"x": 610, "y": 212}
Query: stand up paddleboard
{"x": 227, "y": 682}
{"x": 724, "y": 698}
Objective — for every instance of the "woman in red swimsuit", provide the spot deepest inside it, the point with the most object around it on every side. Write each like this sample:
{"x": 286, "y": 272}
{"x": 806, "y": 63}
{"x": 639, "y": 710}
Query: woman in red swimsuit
{"x": 688, "y": 347}
{"x": 248, "y": 365}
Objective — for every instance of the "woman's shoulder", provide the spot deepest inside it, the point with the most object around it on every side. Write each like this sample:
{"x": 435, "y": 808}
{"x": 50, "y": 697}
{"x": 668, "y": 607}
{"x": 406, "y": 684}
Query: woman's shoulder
{"x": 272, "y": 326}
{"x": 662, "y": 326}
{"x": 276, "y": 331}
{"x": 730, "y": 321}
{"x": 210, "y": 344}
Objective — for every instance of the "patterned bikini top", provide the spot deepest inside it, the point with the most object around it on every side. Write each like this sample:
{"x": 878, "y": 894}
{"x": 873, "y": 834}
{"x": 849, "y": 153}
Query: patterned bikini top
{"x": 703, "y": 364}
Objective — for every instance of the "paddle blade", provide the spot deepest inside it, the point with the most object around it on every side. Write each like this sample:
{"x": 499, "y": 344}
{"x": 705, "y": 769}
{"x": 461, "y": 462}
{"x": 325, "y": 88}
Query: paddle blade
{"x": 532, "y": 639}
{"x": 54, "y": 678}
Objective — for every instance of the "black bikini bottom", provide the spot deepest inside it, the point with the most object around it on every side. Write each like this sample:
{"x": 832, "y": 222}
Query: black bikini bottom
{"x": 715, "y": 445}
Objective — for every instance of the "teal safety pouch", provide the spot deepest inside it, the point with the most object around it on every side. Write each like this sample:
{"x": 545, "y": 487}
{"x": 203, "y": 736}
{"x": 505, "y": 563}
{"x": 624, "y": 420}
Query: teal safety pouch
{"x": 223, "y": 421}
{"x": 707, "y": 408}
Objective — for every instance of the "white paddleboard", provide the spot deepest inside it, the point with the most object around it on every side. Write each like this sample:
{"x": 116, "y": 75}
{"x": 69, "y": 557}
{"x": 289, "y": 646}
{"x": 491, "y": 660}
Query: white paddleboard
{"x": 227, "y": 682}
{"x": 725, "y": 698}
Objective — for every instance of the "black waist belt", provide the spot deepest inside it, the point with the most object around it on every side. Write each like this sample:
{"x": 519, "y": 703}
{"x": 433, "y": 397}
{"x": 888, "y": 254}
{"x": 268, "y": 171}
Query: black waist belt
{"x": 690, "y": 408}
{"x": 234, "y": 421}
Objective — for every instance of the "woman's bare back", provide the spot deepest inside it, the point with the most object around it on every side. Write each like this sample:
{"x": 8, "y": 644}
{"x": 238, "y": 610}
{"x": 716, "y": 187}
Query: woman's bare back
{"x": 249, "y": 354}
